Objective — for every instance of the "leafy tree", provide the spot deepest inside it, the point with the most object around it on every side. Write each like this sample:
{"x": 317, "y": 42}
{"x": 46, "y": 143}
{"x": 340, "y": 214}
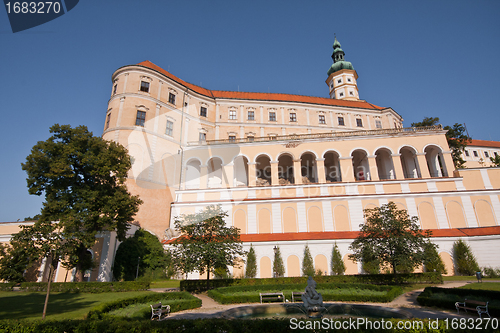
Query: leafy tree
{"x": 142, "y": 245}
{"x": 432, "y": 261}
{"x": 392, "y": 236}
{"x": 370, "y": 263}
{"x": 205, "y": 242}
{"x": 465, "y": 261}
{"x": 455, "y": 135}
{"x": 278, "y": 266}
{"x": 338, "y": 266}
{"x": 495, "y": 160}
{"x": 307, "y": 263}
{"x": 251, "y": 269}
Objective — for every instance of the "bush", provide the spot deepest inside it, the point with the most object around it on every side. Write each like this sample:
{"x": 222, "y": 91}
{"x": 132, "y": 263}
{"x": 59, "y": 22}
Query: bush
{"x": 307, "y": 263}
{"x": 465, "y": 260}
{"x": 491, "y": 272}
{"x": 7, "y": 286}
{"x": 377, "y": 279}
{"x": 251, "y": 269}
{"x": 338, "y": 266}
{"x": 86, "y": 287}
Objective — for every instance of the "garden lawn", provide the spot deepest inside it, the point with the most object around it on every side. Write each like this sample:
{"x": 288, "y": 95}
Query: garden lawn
{"x": 29, "y": 305}
{"x": 165, "y": 284}
{"x": 483, "y": 286}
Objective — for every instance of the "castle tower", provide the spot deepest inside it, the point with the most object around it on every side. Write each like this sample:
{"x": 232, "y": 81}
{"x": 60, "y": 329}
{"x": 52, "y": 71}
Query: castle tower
{"x": 342, "y": 76}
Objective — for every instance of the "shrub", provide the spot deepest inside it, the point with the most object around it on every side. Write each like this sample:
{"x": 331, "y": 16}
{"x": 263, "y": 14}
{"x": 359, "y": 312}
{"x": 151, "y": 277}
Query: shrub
{"x": 432, "y": 261}
{"x": 278, "y": 266}
{"x": 338, "y": 266}
{"x": 86, "y": 287}
{"x": 465, "y": 260}
{"x": 307, "y": 263}
{"x": 491, "y": 272}
{"x": 251, "y": 269}
{"x": 8, "y": 286}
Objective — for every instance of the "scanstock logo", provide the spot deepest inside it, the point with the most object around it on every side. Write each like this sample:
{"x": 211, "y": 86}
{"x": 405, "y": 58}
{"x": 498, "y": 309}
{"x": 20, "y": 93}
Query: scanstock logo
{"x": 25, "y": 15}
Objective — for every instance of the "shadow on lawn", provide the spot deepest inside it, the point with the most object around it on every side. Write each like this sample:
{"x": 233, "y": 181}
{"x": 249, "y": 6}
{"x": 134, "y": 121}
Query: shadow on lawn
{"x": 30, "y": 305}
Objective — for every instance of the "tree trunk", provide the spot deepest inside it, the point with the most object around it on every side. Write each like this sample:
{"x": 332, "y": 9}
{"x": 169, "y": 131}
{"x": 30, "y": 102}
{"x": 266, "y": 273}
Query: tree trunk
{"x": 208, "y": 276}
{"x": 51, "y": 272}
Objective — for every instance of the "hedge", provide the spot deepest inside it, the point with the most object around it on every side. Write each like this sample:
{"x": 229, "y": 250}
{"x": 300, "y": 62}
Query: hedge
{"x": 380, "y": 279}
{"x": 329, "y": 292}
{"x": 86, "y": 287}
{"x": 215, "y": 325}
{"x": 188, "y": 302}
{"x": 8, "y": 286}
{"x": 446, "y": 298}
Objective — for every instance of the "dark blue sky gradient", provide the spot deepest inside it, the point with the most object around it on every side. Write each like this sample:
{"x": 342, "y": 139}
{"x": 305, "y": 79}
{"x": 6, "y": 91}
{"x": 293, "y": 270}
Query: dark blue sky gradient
{"x": 422, "y": 58}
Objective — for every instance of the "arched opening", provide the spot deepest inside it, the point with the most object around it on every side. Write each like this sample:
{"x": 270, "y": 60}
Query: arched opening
{"x": 435, "y": 161}
{"x": 193, "y": 174}
{"x": 214, "y": 172}
{"x": 285, "y": 170}
{"x": 293, "y": 266}
{"x": 263, "y": 171}
{"x": 240, "y": 171}
{"x": 332, "y": 167}
{"x": 409, "y": 163}
{"x": 308, "y": 168}
{"x": 385, "y": 167}
{"x": 360, "y": 165}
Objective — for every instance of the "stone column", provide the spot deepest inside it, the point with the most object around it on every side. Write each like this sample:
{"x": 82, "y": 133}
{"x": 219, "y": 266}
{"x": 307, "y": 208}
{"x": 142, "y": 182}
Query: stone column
{"x": 346, "y": 169}
{"x": 320, "y": 169}
{"x": 448, "y": 161}
{"x": 372, "y": 168}
{"x": 398, "y": 168}
{"x": 203, "y": 176}
{"x": 422, "y": 165}
{"x": 252, "y": 177}
{"x": 274, "y": 173}
{"x": 297, "y": 172}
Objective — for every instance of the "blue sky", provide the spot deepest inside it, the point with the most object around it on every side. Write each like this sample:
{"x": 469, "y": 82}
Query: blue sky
{"x": 422, "y": 58}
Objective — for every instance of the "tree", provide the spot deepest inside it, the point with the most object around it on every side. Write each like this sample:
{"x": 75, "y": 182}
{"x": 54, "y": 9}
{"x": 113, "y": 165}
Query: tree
{"x": 153, "y": 259}
{"x": 455, "y": 135}
{"x": 392, "y": 236}
{"x": 251, "y": 269}
{"x": 465, "y": 261}
{"x": 495, "y": 160}
{"x": 370, "y": 263}
{"x": 432, "y": 261}
{"x": 307, "y": 263}
{"x": 205, "y": 242}
{"x": 338, "y": 266}
{"x": 278, "y": 266}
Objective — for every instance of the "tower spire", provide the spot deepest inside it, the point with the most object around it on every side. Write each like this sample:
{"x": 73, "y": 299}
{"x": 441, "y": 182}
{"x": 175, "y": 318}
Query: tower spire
{"x": 341, "y": 75}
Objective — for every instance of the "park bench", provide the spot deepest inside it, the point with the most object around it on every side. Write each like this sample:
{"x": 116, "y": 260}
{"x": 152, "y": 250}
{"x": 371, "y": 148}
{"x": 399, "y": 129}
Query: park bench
{"x": 480, "y": 307}
{"x": 297, "y": 296}
{"x": 159, "y": 311}
{"x": 278, "y": 297}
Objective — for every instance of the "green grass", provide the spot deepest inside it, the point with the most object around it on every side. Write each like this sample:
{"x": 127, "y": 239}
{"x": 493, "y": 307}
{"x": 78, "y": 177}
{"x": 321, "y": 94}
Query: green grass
{"x": 29, "y": 305}
{"x": 165, "y": 284}
{"x": 483, "y": 286}
{"x": 465, "y": 278}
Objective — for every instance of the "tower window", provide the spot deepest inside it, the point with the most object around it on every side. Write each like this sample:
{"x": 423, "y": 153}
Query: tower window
{"x": 114, "y": 89}
{"x": 341, "y": 121}
{"x": 203, "y": 111}
{"x": 378, "y": 124}
{"x": 322, "y": 119}
{"x": 171, "y": 98}
{"x": 232, "y": 114}
{"x": 351, "y": 93}
{"x": 339, "y": 81}
{"x": 251, "y": 115}
{"x": 145, "y": 86}
{"x": 272, "y": 116}
{"x": 140, "y": 118}
{"x": 107, "y": 120}
{"x": 348, "y": 79}
{"x": 293, "y": 117}
{"x": 170, "y": 128}
{"x": 341, "y": 94}
{"x": 359, "y": 122}
{"x": 466, "y": 153}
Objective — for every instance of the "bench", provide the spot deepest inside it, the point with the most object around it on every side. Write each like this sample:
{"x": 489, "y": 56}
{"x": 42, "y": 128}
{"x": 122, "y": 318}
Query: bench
{"x": 480, "y": 307}
{"x": 278, "y": 297}
{"x": 159, "y": 311}
{"x": 297, "y": 296}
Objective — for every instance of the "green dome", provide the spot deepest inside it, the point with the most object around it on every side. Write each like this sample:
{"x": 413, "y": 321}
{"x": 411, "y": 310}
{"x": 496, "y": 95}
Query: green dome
{"x": 338, "y": 59}
{"x": 339, "y": 65}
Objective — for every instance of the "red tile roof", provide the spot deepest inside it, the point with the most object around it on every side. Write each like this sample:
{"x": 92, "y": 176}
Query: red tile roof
{"x": 484, "y": 143}
{"x": 261, "y": 96}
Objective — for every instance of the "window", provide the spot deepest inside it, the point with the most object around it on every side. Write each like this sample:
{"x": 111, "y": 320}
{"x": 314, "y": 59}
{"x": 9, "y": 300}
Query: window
{"x": 293, "y": 117}
{"x": 322, "y": 119}
{"x": 251, "y": 115}
{"x": 466, "y": 153}
{"x": 250, "y": 138}
{"x": 272, "y": 116}
{"x": 378, "y": 124}
{"x": 273, "y": 137}
{"x": 351, "y": 93}
{"x": 114, "y": 89}
{"x": 475, "y": 153}
{"x": 140, "y": 119}
{"x": 486, "y": 154}
{"x": 341, "y": 94}
{"x": 232, "y": 138}
{"x": 202, "y": 136}
{"x": 171, "y": 98}
{"x": 348, "y": 79}
{"x": 341, "y": 121}
{"x": 203, "y": 111}
{"x": 232, "y": 114}
{"x": 170, "y": 128}
{"x": 145, "y": 86}
{"x": 339, "y": 81}
{"x": 107, "y": 120}
{"x": 359, "y": 122}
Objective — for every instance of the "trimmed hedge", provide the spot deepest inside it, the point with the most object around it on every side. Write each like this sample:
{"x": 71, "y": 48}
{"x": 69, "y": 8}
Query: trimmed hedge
{"x": 8, "y": 286}
{"x": 183, "y": 301}
{"x": 329, "y": 292}
{"x": 446, "y": 297}
{"x": 86, "y": 287}
{"x": 204, "y": 325}
{"x": 380, "y": 279}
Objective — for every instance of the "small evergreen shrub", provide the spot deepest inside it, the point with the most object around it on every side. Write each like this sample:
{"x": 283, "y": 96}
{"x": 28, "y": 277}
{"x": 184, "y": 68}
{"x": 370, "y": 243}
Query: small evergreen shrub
{"x": 432, "y": 261}
{"x": 278, "y": 266}
{"x": 338, "y": 266}
{"x": 465, "y": 261}
{"x": 307, "y": 263}
{"x": 251, "y": 269}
